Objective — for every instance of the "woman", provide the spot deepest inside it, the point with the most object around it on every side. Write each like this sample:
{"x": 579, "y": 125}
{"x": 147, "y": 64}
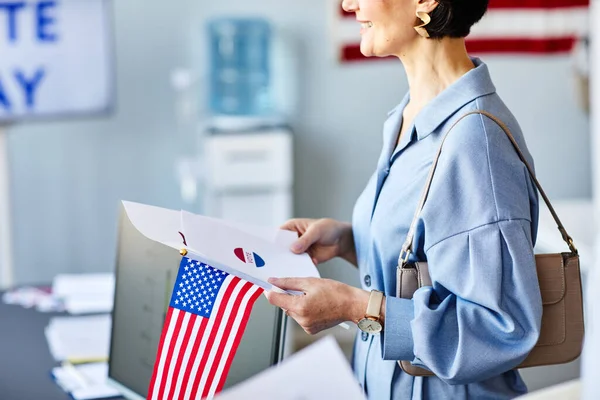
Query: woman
{"x": 482, "y": 316}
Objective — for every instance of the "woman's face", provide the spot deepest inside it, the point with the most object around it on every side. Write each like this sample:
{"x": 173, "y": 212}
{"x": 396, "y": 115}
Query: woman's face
{"x": 386, "y": 25}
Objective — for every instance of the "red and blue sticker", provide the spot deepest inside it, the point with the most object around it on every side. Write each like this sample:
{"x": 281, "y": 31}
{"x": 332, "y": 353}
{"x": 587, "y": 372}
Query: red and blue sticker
{"x": 249, "y": 257}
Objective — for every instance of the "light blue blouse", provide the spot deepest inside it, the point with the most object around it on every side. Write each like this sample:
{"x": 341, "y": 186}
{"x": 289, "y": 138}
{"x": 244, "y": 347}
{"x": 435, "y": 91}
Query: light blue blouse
{"x": 482, "y": 316}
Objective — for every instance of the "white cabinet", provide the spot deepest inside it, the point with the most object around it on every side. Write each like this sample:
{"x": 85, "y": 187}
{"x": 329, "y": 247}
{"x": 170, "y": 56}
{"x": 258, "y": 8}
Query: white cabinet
{"x": 248, "y": 176}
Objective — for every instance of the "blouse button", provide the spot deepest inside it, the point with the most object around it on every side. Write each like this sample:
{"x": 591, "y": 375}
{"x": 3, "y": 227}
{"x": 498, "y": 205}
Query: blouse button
{"x": 364, "y": 336}
{"x": 367, "y": 280}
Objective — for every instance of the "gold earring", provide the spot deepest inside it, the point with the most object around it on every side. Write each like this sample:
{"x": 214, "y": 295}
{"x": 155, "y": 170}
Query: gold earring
{"x": 421, "y": 30}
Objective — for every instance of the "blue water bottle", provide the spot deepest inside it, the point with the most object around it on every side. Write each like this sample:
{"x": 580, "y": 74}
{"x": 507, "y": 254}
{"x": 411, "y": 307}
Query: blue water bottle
{"x": 240, "y": 81}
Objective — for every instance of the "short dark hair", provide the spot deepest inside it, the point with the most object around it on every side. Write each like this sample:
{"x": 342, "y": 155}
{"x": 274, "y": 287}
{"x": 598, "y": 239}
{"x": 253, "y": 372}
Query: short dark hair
{"x": 454, "y": 18}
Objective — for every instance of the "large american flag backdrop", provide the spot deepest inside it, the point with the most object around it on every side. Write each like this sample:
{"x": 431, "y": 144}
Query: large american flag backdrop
{"x": 205, "y": 321}
{"x": 510, "y": 26}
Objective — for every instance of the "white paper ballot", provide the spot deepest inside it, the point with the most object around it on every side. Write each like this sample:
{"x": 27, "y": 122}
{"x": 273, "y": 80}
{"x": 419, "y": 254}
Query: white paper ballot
{"x": 242, "y": 254}
{"x": 159, "y": 224}
{"x": 279, "y": 236}
{"x": 318, "y": 372}
{"x": 253, "y": 253}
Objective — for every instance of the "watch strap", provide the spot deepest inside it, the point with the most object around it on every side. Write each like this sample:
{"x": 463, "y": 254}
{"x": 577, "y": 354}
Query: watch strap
{"x": 374, "y": 305}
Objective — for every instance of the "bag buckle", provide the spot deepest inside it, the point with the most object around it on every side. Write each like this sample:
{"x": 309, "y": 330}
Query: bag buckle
{"x": 404, "y": 256}
{"x": 572, "y": 246}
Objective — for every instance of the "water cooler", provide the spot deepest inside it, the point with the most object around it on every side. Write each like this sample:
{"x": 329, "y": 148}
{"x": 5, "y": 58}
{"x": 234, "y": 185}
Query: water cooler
{"x": 247, "y": 146}
{"x": 239, "y": 164}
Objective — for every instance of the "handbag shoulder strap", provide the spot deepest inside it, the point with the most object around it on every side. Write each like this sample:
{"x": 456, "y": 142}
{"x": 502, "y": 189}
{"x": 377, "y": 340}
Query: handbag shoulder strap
{"x": 406, "y": 248}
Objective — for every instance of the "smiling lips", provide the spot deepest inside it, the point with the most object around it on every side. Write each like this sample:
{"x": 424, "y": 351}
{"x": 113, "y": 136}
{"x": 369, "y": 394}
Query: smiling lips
{"x": 365, "y": 25}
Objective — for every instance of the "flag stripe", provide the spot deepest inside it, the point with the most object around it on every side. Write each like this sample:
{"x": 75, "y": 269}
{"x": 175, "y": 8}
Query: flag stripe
{"x": 539, "y": 46}
{"x": 176, "y": 323}
{"x": 159, "y": 357}
{"x": 238, "y": 338}
{"x": 231, "y": 328}
{"x": 206, "y": 378}
{"x": 220, "y": 303}
{"x": 174, "y": 355}
{"x": 165, "y": 356}
{"x": 186, "y": 377}
{"x": 189, "y": 326}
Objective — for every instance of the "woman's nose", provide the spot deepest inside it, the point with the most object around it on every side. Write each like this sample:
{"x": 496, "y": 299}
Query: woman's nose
{"x": 350, "y": 5}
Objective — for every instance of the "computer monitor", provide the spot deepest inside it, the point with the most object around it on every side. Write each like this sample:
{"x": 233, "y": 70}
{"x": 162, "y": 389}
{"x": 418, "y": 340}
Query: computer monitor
{"x": 145, "y": 275}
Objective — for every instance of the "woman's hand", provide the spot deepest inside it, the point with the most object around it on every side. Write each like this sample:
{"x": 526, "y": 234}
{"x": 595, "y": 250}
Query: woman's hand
{"x": 325, "y": 302}
{"x": 323, "y": 239}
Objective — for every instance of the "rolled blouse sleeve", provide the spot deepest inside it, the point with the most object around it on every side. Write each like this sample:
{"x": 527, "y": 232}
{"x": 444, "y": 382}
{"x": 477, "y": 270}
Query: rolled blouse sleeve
{"x": 483, "y": 314}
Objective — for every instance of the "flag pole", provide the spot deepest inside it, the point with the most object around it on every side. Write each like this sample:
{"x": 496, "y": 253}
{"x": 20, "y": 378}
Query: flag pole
{"x": 6, "y": 260}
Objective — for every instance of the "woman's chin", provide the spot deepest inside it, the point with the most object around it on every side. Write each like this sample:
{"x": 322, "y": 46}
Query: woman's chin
{"x": 369, "y": 50}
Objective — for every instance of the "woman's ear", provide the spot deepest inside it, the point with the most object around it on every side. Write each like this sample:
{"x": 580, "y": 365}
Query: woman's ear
{"x": 426, "y": 6}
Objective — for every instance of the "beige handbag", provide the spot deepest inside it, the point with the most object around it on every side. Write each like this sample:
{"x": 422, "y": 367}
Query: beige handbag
{"x": 561, "y": 337}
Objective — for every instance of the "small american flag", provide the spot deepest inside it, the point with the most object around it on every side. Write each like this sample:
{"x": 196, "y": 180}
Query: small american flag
{"x": 205, "y": 322}
{"x": 509, "y": 26}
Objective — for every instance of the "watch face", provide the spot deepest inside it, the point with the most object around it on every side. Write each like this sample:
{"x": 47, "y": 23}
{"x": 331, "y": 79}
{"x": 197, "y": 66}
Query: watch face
{"x": 369, "y": 326}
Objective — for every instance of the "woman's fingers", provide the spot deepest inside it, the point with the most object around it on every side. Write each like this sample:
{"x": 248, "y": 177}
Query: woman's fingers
{"x": 317, "y": 238}
{"x": 296, "y": 225}
{"x": 306, "y": 229}
{"x": 297, "y": 284}
{"x": 286, "y": 301}
{"x": 310, "y": 237}
{"x": 281, "y": 300}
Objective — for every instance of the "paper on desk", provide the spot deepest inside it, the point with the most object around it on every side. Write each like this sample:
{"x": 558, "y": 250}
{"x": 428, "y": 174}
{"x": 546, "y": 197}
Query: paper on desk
{"x": 94, "y": 284}
{"x": 88, "y": 304}
{"x": 29, "y": 296}
{"x": 243, "y": 254}
{"x": 85, "y": 293}
{"x": 82, "y": 337}
{"x": 318, "y": 372}
{"x": 84, "y": 382}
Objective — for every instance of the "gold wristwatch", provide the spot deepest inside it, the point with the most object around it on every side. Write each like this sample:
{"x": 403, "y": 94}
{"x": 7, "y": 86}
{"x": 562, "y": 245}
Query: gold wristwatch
{"x": 371, "y": 322}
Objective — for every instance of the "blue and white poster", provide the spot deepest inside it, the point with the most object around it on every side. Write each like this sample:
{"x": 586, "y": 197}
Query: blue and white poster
{"x": 55, "y": 58}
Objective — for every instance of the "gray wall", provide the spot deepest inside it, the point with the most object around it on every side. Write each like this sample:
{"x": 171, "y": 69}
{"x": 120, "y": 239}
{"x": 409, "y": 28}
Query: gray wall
{"x": 67, "y": 177}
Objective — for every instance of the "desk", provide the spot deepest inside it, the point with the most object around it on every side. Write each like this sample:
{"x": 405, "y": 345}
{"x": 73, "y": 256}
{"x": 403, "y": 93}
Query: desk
{"x": 25, "y": 360}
